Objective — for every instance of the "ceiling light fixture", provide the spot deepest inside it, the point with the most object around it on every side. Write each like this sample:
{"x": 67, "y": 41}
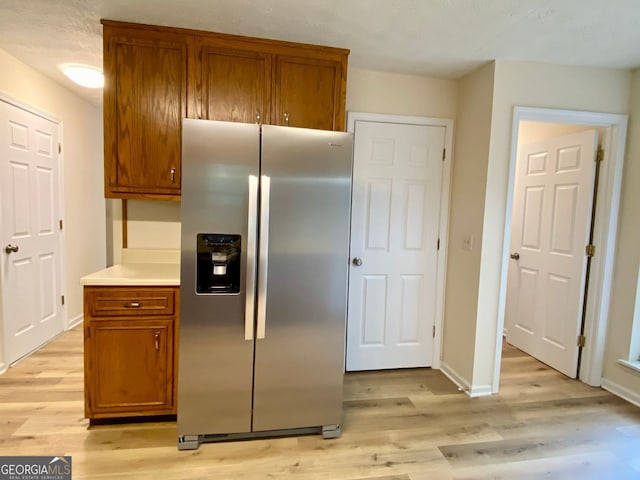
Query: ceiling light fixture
{"x": 84, "y": 75}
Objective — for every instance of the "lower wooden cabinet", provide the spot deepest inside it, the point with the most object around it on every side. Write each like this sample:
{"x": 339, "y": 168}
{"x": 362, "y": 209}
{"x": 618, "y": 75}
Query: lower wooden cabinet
{"x": 130, "y": 347}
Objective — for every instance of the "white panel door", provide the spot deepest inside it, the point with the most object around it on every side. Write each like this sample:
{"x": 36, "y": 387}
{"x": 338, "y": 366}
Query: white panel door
{"x": 397, "y": 180}
{"x": 550, "y": 229}
{"x": 30, "y": 237}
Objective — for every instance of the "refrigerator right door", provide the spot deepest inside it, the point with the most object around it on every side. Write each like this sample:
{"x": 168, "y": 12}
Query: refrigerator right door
{"x": 302, "y": 279}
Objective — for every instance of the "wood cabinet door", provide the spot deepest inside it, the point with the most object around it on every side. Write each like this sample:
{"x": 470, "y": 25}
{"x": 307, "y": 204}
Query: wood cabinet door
{"x": 145, "y": 101}
{"x": 232, "y": 85}
{"x": 308, "y": 93}
{"x": 131, "y": 366}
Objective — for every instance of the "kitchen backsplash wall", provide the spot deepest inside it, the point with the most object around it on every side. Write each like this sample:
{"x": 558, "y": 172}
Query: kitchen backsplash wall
{"x": 153, "y": 224}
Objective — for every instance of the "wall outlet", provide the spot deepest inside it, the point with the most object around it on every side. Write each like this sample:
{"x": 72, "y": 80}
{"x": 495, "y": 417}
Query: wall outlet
{"x": 467, "y": 242}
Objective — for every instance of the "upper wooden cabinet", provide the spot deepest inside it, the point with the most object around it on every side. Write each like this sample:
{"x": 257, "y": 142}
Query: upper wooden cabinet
{"x": 308, "y": 93}
{"x": 230, "y": 85}
{"x": 155, "y": 76}
{"x": 144, "y": 102}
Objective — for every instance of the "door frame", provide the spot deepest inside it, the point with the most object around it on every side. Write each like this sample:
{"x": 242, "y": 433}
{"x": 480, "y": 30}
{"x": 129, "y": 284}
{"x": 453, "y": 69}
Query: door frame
{"x": 445, "y": 195}
{"x": 6, "y": 98}
{"x": 604, "y": 235}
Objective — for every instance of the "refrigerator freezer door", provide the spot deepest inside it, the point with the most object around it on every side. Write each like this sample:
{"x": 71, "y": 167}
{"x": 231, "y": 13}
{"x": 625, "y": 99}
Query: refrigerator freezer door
{"x": 299, "y": 363}
{"x": 220, "y": 168}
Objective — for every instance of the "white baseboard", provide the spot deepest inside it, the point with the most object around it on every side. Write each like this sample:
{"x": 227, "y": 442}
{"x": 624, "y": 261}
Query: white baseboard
{"x": 480, "y": 391}
{"x": 622, "y": 392}
{"x": 75, "y": 321}
{"x": 459, "y": 380}
{"x": 464, "y": 384}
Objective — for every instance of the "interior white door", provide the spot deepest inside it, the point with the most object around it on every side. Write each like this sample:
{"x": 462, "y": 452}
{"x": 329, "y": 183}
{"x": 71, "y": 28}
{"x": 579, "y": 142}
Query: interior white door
{"x": 397, "y": 181}
{"x": 30, "y": 255}
{"x": 550, "y": 229}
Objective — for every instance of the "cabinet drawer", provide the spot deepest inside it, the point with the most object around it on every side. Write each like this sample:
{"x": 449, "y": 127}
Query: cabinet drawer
{"x": 131, "y": 302}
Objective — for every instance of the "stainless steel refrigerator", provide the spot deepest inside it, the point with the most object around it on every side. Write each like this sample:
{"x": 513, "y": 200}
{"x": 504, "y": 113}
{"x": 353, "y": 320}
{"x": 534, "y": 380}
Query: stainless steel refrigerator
{"x": 264, "y": 266}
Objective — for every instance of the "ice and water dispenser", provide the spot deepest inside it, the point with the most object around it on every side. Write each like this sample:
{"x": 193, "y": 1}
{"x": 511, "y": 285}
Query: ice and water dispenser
{"x": 218, "y": 264}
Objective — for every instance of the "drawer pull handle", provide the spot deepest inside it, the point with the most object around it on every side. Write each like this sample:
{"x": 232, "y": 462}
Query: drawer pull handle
{"x": 156, "y": 336}
{"x": 133, "y": 305}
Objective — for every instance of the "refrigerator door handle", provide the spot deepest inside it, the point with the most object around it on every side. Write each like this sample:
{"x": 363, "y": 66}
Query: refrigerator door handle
{"x": 265, "y": 189}
{"x": 252, "y": 226}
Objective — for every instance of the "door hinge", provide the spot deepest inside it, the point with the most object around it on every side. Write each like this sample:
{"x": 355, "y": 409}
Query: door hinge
{"x": 433, "y": 333}
{"x": 582, "y": 341}
{"x": 60, "y": 223}
{"x": 590, "y": 250}
{"x": 62, "y": 299}
{"x": 438, "y": 245}
{"x": 59, "y": 148}
{"x": 599, "y": 154}
{"x": 444, "y": 153}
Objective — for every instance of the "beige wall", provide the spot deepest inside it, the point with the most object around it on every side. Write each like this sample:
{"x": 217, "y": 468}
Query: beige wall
{"x": 628, "y": 258}
{"x": 157, "y": 224}
{"x": 534, "y": 85}
{"x": 467, "y": 205}
{"x": 392, "y": 93}
{"x": 153, "y": 224}
{"x": 84, "y": 207}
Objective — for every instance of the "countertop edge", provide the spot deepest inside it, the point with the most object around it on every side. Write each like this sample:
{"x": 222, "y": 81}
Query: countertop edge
{"x": 135, "y": 274}
{"x": 111, "y": 282}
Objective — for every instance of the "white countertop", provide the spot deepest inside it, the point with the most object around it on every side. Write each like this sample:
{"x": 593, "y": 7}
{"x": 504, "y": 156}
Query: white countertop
{"x": 145, "y": 268}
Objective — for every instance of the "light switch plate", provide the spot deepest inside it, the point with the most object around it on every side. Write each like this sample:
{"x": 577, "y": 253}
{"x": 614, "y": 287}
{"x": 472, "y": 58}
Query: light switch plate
{"x": 467, "y": 242}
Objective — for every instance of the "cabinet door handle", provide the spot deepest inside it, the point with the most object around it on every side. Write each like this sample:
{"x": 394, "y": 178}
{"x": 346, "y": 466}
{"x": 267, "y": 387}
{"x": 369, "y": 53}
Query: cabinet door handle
{"x": 286, "y": 119}
{"x": 258, "y": 117}
{"x": 156, "y": 337}
{"x": 133, "y": 305}
{"x": 173, "y": 175}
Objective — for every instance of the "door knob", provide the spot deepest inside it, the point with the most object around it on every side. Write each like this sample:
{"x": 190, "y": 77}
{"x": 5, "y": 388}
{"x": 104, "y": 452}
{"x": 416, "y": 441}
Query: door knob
{"x": 357, "y": 261}
{"x": 11, "y": 248}
{"x": 515, "y": 256}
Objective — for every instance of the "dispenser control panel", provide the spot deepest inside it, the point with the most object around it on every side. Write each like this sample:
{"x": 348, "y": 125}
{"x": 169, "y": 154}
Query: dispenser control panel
{"x": 218, "y": 263}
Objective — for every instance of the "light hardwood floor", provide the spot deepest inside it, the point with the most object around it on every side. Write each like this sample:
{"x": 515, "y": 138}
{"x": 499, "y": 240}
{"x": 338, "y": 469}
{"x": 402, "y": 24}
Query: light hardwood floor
{"x": 402, "y": 425}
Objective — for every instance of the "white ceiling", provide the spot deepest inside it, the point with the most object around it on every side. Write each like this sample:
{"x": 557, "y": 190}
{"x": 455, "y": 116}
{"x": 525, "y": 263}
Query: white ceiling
{"x": 438, "y": 38}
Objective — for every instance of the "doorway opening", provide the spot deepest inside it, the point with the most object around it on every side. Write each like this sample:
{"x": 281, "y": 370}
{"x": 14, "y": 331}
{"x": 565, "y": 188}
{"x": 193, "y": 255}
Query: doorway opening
{"x": 531, "y": 125}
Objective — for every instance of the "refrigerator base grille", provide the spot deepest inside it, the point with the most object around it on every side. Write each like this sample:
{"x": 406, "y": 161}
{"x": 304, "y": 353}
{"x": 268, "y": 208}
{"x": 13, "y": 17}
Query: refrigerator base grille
{"x": 192, "y": 442}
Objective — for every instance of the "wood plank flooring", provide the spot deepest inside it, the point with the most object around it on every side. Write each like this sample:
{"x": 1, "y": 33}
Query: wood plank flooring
{"x": 398, "y": 425}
